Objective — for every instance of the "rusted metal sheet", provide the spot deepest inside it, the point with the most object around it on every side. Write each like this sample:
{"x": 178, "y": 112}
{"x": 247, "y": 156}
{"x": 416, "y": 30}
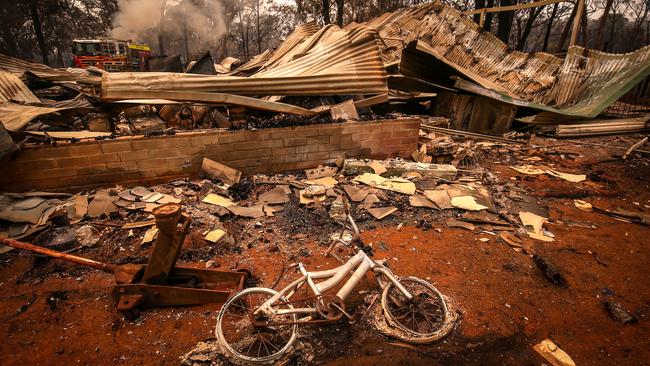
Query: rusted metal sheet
{"x": 204, "y": 65}
{"x": 603, "y": 127}
{"x": 19, "y": 67}
{"x": 15, "y": 116}
{"x": 13, "y": 89}
{"x": 350, "y": 64}
{"x": 269, "y": 58}
{"x": 7, "y": 145}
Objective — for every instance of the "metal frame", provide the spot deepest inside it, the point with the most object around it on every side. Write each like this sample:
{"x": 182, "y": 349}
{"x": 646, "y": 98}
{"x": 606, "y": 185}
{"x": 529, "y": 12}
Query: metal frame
{"x": 359, "y": 265}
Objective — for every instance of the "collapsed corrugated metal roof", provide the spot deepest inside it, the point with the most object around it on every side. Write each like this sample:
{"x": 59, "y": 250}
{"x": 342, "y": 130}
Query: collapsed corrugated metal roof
{"x": 19, "y": 67}
{"x": 344, "y": 63}
{"x": 204, "y": 65}
{"x": 267, "y": 58}
{"x": 357, "y": 58}
{"x": 584, "y": 83}
{"x": 13, "y": 89}
{"x": 16, "y": 116}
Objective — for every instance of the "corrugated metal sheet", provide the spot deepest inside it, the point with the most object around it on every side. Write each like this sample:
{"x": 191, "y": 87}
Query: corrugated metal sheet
{"x": 349, "y": 64}
{"x": 584, "y": 83}
{"x": 19, "y": 67}
{"x": 13, "y": 89}
{"x": 269, "y": 58}
{"x": 15, "y": 116}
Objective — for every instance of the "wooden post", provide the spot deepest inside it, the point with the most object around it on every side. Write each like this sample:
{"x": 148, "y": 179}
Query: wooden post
{"x": 576, "y": 22}
{"x": 482, "y": 20}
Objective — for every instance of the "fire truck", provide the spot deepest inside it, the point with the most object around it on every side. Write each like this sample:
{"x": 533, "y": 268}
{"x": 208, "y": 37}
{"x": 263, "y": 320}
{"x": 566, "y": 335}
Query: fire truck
{"x": 110, "y": 54}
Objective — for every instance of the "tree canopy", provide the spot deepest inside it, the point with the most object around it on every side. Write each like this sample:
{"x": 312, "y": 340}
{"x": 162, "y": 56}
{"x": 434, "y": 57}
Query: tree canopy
{"x": 43, "y": 30}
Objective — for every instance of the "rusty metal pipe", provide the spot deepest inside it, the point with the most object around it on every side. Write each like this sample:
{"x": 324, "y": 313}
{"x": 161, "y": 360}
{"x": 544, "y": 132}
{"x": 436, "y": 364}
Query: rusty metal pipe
{"x": 106, "y": 267}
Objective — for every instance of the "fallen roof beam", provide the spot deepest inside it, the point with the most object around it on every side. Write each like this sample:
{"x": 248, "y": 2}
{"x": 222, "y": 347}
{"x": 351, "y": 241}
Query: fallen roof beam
{"x": 478, "y": 136}
{"x": 211, "y": 98}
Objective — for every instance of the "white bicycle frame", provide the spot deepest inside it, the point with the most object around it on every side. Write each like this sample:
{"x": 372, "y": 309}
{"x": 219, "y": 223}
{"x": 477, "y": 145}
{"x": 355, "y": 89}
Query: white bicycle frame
{"x": 332, "y": 277}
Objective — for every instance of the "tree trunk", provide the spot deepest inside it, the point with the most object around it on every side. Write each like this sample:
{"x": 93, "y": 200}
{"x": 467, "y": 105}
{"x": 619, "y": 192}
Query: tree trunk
{"x": 549, "y": 27}
{"x": 161, "y": 25}
{"x": 478, "y": 4}
{"x": 489, "y": 16}
{"x": 185, "y": 40}
{"x": 340, "y": 4}
{"x": 584, "y": 24}
{"x": 609, "y": 45}
{"x": 326, "y": 12}
{"x": 505, "y": 22}
{"x": 637, "y": 32}
{"x": 567, "y": 27}
{"x": 257, "y": 20}
{"x": 534, "y": 13}
{"x": 38, "y": 30}
{"x": 300, "y": 11}
{"x": 600, "y": 39}
{"x": 10, "y": 41}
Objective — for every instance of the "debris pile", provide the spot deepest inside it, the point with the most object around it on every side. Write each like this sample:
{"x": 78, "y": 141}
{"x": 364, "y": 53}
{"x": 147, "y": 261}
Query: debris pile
{"x": 361, "y": 71}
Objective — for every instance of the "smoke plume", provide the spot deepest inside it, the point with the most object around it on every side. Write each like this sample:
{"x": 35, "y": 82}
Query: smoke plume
{"x": 201, "y": 20}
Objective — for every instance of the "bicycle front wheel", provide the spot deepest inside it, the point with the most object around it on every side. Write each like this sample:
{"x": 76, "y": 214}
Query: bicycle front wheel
{"x": 423, "y": 316}
{"x": 247, "y": 337}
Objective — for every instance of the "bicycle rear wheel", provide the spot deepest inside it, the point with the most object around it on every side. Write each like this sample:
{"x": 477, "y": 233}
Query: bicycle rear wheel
{"x": 423, "y": 317}
{"x": 240, "y": 337}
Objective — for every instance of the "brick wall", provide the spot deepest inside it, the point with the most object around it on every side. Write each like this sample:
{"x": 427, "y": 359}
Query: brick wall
{"x": 143, "y": 161}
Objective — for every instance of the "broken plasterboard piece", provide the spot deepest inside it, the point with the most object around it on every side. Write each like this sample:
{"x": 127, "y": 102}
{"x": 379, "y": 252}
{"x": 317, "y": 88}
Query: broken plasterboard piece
{"x": 356, "y": 194}
{"x": 270, "y": 210}
{"x": 152, "y": 197}
{"x": 381, "y": 212}
{"x": 573, "y": 178}
{"x": 532, "y": 170}
{"x": 140, "y": 191}
{"x": 102, "y": 204}
{"x": 378, "y": 167}
{"x": 553, "y": 354}
{"x": 314, "y": 190}
{"x": 418, "y": 200}
{"x": 275, "y": 196}
{"x": 582, "y": 205}
{"x": 215, "y": 199}
{"x": 440, "y": 197}
{"x": 451, "y": 222}
{"x": 536, "y": 222}
{"x": 78, "y": 210}
{"x": 254, "y": 212}
{"x": 399, "y": 185}
{"x": 327, "y": 182}
{"x": 467, "y": 203}
{"x": 215, "y": 235}
{"x": 307, "y": 197}
{"x": 344, "y": 111}
{"x": 213, "y": 170}
{"x": 528, "y": 169}
{"x": 320, "y": 172}
{"x": 168, "y": 198}
{"x": 127, "y": 196}
{"x": 369, "y": 201}
{"x": 150, "y": 235}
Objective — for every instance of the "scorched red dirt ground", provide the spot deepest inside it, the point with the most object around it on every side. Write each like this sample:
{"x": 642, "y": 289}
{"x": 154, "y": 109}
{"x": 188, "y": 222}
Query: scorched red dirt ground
{"x": 54, "y": 312}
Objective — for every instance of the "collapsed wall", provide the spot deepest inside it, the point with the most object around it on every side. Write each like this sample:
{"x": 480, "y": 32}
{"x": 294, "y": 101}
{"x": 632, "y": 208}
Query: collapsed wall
{"x": 150, "y": 160}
